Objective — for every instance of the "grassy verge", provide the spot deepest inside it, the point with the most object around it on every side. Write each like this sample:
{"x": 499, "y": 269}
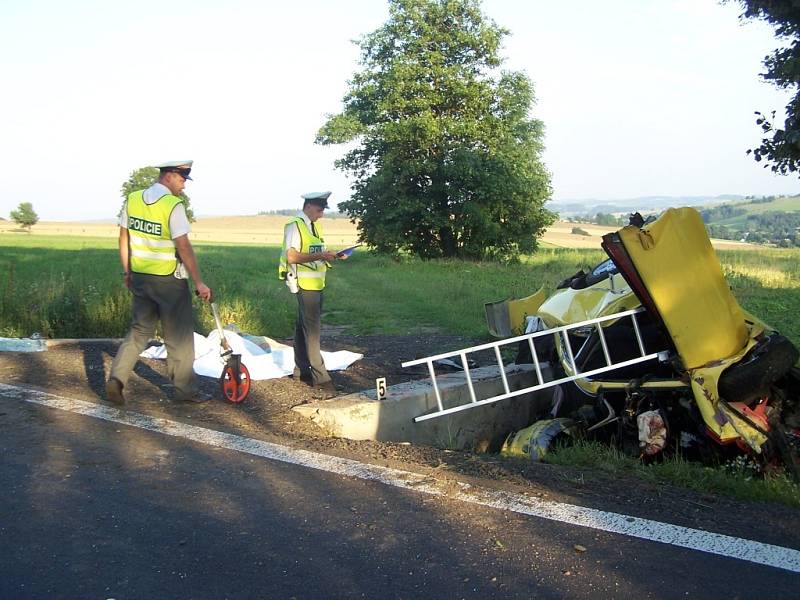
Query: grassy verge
{"x": 71, "y": 287}
{"x": 67, "y": 287}
{"x": 736, "y": 479}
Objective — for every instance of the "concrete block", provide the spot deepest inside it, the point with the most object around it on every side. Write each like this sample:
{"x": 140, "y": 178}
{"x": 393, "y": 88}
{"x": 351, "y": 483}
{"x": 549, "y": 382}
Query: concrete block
{"x": 361, "y": 416}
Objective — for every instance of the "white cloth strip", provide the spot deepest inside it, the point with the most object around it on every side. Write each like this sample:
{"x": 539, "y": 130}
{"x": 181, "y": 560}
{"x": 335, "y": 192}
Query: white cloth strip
{"x": 136, "y": 239}
{"x": 153, "y": 255}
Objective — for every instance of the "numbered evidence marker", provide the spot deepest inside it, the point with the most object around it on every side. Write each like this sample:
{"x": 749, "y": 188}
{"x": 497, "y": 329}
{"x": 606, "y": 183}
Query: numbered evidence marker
{"x": 380, "y": 387}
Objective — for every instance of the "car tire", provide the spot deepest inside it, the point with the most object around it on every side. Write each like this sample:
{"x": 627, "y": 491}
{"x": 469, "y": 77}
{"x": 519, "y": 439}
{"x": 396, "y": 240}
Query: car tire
{"x": 785, "y": 452}
{"x": 751, "y": 378}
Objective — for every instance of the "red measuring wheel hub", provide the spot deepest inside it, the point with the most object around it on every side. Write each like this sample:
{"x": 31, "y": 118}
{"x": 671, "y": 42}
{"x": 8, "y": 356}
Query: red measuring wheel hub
{"x": 235, "y": 380}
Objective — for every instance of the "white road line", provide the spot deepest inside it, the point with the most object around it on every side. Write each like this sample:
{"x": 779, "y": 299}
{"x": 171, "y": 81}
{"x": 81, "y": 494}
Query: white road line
{"x": 694, "y": 539}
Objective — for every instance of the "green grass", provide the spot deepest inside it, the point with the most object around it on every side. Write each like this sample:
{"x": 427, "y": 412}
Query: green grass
{"x": 786, "y": 204}
{"x": 71, "y": 287}
{"x": 767, "y": 283}
{"x": 737, "y": 479}
{"x": 61, "y": 288}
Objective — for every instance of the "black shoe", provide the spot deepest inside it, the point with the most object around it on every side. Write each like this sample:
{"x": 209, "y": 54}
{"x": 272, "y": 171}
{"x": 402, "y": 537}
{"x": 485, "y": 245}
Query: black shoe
{"x": 302, "y": 378}
{"x": 196, "y": 398}
{"x": 325, "y": 391}
{"x": 114, "y": 391}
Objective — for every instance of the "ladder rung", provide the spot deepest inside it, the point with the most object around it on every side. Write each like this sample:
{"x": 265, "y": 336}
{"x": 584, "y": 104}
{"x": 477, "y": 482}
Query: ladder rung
{"x": 535, "y": 358}
{"x": 502, "y": 368}
{"x": 469, "y": 377}
{"x": 570, "y": 356}
{"x": 435, "y": 387}
{"x": 602, "y": 337}
{"x": 638, "y": 334}
{"x": 514, "y": 340}
{"x": 534, "y": 388}
{"x": 562, "y": 331}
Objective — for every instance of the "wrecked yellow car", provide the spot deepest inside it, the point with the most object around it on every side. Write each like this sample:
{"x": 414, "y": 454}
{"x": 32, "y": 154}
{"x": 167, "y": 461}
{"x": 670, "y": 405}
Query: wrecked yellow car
{"x": 649, "y": 349}
{"x": 718, "y": 380}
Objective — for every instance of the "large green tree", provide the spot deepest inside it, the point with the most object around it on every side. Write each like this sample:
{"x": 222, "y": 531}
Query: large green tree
{"x": 24, "y": 216}
{"x": 143, "y": 178}
{"x": 780, "y": 146}
{"x": 445, "y": 156}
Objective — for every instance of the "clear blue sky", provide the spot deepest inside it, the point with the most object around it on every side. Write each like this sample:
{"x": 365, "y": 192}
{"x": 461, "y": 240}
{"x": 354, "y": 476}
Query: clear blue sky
{"x": 639, "y": 97}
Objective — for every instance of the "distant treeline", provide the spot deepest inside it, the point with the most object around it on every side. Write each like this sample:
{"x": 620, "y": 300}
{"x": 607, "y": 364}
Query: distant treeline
{"x": 779, "y": 228}
{"x": 602, "y": 219}
{"x": 720, "y": 213}
{"x": 290, "y": 212}
{"x": 775, "y": 227}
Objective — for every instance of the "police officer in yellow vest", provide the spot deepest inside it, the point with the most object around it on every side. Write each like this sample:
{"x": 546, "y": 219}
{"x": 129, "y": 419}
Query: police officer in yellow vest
{"x": 303, "y": 265}
{"x": 156, "y": 256}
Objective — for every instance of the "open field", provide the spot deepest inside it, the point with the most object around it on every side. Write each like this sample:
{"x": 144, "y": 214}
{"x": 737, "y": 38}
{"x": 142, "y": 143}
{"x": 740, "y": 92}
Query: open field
{"x": 785, "y": 204}
{"x": 560, "y": 235}
{"x": 70, "y": 287}
{"x": 260, "y": 229}
{"x": 268, "y": 230}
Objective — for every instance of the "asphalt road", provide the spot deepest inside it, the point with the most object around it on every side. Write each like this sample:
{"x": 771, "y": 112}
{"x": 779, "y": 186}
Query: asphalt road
{"x": 96, "y": 509}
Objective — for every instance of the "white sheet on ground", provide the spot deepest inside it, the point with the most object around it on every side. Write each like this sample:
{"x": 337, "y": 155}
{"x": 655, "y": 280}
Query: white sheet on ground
{"x": 22, "y": 345}
{"x": 264, "y": 358}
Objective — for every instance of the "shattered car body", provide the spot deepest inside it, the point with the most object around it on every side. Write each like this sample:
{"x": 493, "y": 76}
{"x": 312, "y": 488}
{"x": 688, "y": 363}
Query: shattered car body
{"x": 728, "y": 379}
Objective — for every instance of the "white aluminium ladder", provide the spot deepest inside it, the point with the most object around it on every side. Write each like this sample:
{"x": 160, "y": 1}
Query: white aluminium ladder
{"x": 563, "y": 332}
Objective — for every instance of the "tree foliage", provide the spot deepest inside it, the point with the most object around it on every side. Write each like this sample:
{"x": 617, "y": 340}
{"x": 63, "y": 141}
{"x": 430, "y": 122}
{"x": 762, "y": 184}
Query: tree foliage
{"x": 780, "y": 146}
{"x": 607, "y": 219}
{"x": 445, "y": 157}
{"x": 143, "y": 178}
{"x": 24, "y": 216}
{"x": 722, "y": 212}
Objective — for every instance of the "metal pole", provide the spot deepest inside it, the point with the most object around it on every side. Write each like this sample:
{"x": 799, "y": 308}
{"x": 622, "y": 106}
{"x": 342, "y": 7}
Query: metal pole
{"x": 222, "y": 339}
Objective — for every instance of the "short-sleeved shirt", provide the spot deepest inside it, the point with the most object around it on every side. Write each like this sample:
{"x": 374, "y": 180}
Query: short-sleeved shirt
{"x": 291, "y": 235}
{"x": 178, "y": 222}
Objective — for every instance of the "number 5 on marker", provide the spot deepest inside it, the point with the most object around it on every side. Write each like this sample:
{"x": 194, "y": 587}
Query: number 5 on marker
{"x": 380, "y": 388}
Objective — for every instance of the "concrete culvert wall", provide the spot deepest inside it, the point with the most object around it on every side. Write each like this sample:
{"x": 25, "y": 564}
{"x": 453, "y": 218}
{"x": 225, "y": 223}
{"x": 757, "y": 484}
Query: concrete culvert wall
{"x": 362, "y": 416}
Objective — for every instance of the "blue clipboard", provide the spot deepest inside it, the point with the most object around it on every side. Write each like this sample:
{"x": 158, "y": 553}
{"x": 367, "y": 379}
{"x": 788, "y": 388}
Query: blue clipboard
{"x": 348, "y": 251}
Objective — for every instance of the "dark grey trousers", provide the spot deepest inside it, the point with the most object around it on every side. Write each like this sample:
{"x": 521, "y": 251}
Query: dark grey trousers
{"x": 307, "y": 357}
{"x": 164, "y": 298}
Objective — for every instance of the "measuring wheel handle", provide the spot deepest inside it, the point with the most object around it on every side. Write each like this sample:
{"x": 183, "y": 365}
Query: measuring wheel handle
{"x": 235, "y": 380}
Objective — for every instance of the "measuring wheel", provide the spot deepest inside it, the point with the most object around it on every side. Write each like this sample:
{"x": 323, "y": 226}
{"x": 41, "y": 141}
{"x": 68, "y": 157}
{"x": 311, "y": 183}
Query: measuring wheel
{"x": 235, "y": 381}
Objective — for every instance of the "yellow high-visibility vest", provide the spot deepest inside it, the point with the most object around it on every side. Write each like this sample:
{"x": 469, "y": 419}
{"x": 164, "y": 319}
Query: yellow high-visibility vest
{"x": 310, "y": 276}
{"x": 152, "y": 250}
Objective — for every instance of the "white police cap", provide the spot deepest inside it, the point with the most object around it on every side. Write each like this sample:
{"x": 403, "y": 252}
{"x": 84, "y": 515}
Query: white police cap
{"x": 181, "y": 167}
{"x": 318, "y": 198}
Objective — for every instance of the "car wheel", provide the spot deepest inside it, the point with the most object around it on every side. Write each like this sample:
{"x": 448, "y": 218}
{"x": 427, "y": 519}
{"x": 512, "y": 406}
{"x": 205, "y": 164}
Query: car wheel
{"x": 752, "y": 377}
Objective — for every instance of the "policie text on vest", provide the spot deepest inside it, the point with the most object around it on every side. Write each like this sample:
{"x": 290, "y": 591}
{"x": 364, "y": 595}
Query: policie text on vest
{"x": 144, "y": 226}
